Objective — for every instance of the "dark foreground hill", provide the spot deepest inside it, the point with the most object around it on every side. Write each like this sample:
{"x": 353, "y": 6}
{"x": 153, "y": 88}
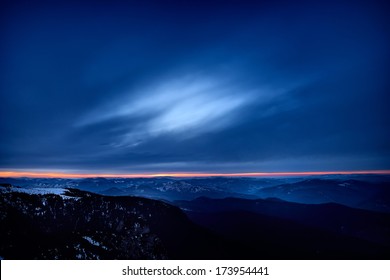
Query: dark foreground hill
{"x": 73, "y": 224}
{"x": 335, "y": 218}
{"x": 280, "y": 229}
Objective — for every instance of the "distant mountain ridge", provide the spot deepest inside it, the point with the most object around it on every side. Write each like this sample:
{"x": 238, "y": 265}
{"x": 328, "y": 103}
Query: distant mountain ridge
{"x": 371, "y": 192}
{"x": 373, "y": 196}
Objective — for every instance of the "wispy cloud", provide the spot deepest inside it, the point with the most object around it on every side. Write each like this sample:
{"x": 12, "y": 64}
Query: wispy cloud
{"x": 186, "y": 106}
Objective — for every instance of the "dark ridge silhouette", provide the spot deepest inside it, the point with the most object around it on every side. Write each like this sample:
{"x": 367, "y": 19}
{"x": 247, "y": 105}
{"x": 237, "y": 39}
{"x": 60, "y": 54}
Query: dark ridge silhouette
{"x": 91, "y": 226}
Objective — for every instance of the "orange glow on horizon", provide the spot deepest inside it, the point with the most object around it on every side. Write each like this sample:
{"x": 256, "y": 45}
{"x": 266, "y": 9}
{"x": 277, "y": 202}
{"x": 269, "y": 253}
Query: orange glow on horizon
{"x": 184, "y": 175}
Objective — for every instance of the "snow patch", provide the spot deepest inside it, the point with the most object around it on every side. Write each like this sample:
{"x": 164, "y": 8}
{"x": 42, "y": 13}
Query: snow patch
{"x": 42, "y": 191}
{"x": 94, "y": 242}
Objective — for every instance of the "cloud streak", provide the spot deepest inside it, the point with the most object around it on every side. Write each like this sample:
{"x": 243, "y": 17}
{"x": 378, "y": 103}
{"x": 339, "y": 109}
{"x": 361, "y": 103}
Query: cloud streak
{"x": 184, "y": 107}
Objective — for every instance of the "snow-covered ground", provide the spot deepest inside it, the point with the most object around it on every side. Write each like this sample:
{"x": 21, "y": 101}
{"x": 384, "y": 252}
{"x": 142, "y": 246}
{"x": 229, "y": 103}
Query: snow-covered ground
{"x": 42, "y": 191}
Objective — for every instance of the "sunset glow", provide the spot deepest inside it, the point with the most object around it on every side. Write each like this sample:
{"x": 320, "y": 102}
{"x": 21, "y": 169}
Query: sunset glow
{"x": 183, "y": 175}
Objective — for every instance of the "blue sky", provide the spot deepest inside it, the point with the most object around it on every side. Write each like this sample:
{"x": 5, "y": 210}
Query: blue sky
{"x": 194, "y": 86}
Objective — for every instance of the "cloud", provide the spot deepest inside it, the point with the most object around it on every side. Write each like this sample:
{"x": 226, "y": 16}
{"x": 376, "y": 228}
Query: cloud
{"x": 185, "y": 106}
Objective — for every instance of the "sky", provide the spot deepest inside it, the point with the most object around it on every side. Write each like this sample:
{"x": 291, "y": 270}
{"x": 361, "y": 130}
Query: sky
{"x": 194, "y": 86}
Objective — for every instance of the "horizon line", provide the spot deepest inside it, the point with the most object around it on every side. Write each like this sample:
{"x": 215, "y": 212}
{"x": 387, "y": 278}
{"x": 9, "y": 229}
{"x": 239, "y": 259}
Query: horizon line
{"x": 31, "y": 174}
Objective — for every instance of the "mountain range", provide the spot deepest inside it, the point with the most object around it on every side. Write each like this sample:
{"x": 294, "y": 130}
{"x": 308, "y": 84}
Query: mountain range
{"x": 195, "y": 218}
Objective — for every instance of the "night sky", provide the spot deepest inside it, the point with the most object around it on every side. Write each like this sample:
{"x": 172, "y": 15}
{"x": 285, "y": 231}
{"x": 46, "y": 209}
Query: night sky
{"x": 194, "y": 86}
